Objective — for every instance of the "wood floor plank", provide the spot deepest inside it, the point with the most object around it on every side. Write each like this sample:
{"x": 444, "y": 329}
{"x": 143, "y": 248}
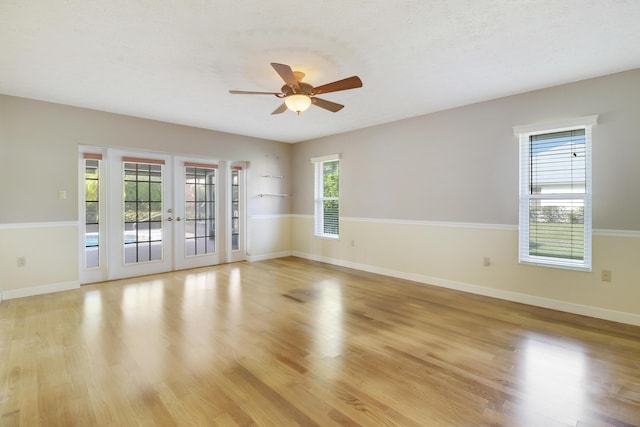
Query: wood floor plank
{"x": 288, "y": 342}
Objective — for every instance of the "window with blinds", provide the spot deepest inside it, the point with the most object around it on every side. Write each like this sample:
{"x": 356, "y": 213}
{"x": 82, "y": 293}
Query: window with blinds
{"x": 327, "y": 196}
{"x": 555, "y": 197}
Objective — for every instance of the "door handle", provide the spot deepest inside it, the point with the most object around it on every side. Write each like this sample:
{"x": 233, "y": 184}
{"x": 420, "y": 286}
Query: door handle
{"x": 169, "y": 219}
{"x": 178, "y": 218}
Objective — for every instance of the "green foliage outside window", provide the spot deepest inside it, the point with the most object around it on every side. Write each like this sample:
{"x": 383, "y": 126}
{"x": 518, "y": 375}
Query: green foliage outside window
{"x": 331, "y": 186}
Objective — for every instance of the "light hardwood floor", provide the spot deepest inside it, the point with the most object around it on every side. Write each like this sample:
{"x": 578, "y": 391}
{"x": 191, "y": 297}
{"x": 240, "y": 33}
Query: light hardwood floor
{"x": 293, "y": 342}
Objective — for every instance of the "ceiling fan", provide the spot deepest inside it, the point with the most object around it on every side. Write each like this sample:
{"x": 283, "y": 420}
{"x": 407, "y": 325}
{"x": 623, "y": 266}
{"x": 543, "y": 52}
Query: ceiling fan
{"x": 298, "y": 96}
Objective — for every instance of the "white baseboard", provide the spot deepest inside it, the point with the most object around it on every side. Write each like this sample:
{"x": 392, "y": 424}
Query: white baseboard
{"x": 584, "y": 310}
{"x": 254, "y": 258}
{"x": 39, "y": 290}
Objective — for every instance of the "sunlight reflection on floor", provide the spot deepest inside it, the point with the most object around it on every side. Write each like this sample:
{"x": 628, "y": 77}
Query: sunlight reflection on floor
{"x": 328, "y": 319}
{"x": 553, "y": 375}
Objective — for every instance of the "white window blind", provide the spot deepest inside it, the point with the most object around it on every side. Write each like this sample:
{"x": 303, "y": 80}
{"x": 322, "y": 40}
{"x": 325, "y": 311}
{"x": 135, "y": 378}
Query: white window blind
{"x": 555, "y": 194}
{"x": 327, "y": 196}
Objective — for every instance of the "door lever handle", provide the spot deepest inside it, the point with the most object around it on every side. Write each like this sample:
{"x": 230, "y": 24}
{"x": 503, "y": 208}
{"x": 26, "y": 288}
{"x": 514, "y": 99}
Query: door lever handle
{"x": 169, "y": 219}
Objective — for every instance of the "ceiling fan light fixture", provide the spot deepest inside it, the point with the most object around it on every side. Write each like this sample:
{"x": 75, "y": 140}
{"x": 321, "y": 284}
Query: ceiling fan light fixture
{"x": 298, "y": 102}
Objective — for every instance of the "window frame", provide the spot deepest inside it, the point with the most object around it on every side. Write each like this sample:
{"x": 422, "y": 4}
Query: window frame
{"x": 319, "y": 198}
{"x": 524, "y": 134}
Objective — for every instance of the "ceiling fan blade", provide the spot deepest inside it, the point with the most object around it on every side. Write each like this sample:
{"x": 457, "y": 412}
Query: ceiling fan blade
{"x": 344, "y": 84}
{"x": 250, "y": 92}
{"x": 281, "y": 109}
{"x": 286, "y": 73}
{"x": 327, "y": 105}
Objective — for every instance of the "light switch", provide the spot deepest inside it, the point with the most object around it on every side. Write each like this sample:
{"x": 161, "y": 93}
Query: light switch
{"x": 62, "y": 194}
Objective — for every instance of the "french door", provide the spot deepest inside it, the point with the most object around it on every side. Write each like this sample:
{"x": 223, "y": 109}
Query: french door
{"x": 159, "y": 213}
{"x": 198, "y": 190}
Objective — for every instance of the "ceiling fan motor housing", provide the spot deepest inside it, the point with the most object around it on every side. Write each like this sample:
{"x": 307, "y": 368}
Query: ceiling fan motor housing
{"x": 305, "y": 88}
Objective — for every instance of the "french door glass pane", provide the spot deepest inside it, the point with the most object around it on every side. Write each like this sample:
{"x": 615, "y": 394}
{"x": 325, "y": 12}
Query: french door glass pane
{"x": 200, "y": 211}
{"x": 142, "y": 238}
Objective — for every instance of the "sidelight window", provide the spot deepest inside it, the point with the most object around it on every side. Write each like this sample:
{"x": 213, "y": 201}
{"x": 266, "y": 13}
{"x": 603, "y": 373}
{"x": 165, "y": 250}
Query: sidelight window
{"x": 92, "y": 209}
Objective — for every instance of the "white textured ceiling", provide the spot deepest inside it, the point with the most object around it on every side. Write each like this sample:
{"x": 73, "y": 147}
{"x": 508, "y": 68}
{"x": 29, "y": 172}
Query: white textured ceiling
{"x": 175, "y": 60}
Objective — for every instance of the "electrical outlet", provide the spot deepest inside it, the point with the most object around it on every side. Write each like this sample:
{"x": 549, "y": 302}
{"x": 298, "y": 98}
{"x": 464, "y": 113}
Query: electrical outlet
{"x": 606, "y": 275}
{"x": 487, "y": 261}
{"x": 22, "y": 261}
{"x": 353, "y": 243}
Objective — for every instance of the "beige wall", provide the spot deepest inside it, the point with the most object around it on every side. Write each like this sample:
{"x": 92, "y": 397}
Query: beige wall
{"x": 401, "y": 180}
{"x": 50, "y": 251}
{"x": 452, "y": 255}
{"x": 39, "y": 157}
{"x": 424, "y": 198}
{"x": 270, "y": 237}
